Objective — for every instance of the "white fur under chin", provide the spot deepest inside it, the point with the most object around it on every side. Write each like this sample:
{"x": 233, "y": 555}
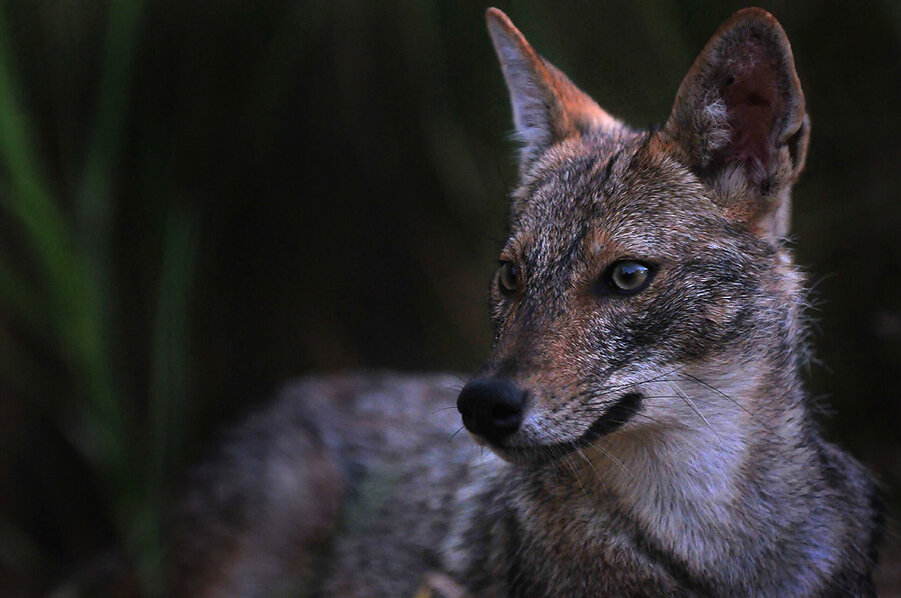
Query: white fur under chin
{"x": 677, "y": 473}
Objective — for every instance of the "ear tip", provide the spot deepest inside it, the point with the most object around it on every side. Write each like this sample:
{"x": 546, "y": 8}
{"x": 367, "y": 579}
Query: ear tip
{"x": 497, "y": 17}
{"x": 754, "y": 12}
{"x": 754, "y": 15}
{"x": 756, "y": 22}
{"x": 503, "y": 32}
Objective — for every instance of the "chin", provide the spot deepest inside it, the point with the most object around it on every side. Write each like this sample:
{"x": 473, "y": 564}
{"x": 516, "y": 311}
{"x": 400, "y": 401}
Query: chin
{"x": 533, "y": 455}
{"x": 521, "y": 451}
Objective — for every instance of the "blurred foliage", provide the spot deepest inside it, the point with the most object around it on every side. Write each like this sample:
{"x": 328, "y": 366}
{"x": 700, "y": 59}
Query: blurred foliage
{"x": 202, "y": 199}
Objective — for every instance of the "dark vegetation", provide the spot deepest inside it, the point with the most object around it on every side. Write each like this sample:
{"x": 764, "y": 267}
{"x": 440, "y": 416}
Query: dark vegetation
{"x": 203, "y": 199}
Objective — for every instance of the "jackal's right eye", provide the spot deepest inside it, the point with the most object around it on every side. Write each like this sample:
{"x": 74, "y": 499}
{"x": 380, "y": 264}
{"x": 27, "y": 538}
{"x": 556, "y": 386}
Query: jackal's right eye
{"x": 508, "y": 277}
{"x": 627, "y": 277}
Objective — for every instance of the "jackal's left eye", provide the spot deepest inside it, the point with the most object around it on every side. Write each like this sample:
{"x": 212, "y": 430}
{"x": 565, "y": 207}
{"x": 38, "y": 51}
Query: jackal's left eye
{"x": 508, "y": 277}
{"x": 628, "y": 277}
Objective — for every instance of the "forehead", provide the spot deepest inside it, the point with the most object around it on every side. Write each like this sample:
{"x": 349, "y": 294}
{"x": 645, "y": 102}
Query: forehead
{"x": 623, "y": 196}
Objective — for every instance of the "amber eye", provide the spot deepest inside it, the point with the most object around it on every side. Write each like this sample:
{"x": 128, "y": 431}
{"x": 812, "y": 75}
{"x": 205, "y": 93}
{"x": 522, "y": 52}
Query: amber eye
{"x": 629, "y": 277}
{"x": 508, "y": 276}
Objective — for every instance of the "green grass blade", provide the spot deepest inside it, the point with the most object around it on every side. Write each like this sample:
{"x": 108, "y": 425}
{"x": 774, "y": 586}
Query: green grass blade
{"x": 71, "y": 294}
{"x": 95, "y": 207}
{"x": 168, "y": 396}
{"x": 169, "y": 384}
{"x": 24, "y": 302}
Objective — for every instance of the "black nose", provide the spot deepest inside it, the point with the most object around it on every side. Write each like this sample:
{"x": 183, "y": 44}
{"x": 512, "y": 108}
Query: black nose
{"x": 491, "y": 408}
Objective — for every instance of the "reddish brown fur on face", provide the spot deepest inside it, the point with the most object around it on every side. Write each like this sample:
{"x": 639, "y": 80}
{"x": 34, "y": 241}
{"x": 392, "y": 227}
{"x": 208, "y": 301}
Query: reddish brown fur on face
{"x": 599, "y": 250}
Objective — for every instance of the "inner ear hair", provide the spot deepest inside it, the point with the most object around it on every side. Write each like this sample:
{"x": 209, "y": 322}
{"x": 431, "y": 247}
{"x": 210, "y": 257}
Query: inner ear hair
{"x": 739, "y": 114}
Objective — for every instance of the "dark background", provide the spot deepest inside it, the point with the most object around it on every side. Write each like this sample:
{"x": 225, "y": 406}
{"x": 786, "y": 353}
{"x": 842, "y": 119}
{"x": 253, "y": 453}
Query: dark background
{"x": 203, "y": 199}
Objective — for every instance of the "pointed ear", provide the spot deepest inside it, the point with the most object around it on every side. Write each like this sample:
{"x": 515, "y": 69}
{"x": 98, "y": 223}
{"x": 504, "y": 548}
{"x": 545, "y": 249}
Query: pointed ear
{"x": 547, "y": 107}
{"x": 739, "y": 119}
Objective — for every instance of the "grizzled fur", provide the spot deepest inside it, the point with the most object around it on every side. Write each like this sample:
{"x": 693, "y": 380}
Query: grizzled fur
{"x": 666, "y": 448}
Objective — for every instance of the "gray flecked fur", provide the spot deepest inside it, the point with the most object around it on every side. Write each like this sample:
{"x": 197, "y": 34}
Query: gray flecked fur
{"x": 711, "y": 477}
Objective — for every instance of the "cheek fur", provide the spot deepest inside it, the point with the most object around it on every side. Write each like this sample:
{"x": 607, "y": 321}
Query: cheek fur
{"x": 700, "y": 307}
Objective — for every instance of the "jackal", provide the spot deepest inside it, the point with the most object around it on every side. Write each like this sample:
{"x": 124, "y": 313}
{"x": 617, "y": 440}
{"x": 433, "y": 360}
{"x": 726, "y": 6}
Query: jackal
{"x": 644, "y": 427}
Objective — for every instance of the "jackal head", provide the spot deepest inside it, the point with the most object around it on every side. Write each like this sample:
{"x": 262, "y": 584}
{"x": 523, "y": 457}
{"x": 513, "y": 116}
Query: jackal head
{"x": 645, "y": 272}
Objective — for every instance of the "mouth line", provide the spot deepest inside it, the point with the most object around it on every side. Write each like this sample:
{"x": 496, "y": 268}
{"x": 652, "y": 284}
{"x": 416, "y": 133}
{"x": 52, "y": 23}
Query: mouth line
{"x": 619, "y": 414}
